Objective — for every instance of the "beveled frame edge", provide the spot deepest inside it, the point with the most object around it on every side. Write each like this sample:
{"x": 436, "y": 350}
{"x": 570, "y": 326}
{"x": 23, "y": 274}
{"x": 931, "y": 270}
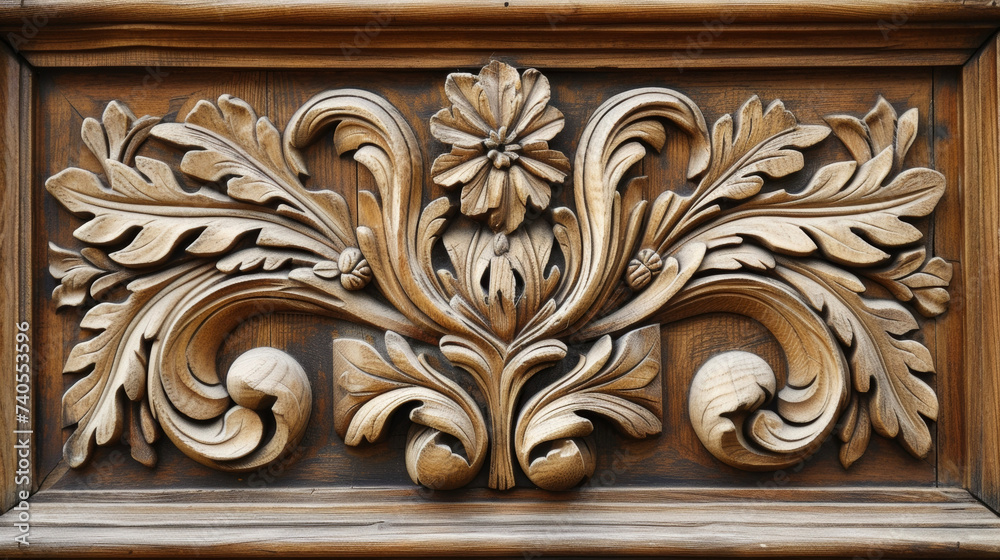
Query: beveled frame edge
{"x": 443, "y": 33}
{"x": 982, "y": 213}
{"x": 925, "y": 522}
{"x": 981, "y": 205}
{"x": 474, "y": 12}
{"x": 15, "y": 261}
{"x": 383, "y": 42}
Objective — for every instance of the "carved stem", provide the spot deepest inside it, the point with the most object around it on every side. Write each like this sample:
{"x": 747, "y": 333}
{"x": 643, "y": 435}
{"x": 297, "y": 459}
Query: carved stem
{"x": 501, "y": 456}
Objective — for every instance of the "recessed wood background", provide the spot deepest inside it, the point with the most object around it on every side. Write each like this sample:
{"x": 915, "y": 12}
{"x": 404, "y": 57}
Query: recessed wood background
{"x": 675, "y": 458}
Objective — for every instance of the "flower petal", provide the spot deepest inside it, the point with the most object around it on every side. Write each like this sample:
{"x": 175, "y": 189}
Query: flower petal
{"x": 456, "y": 131}
{"x": 544, "y": 127}
{"x": 452, "y": 169}
{"x": 474, "y": 194}
{"x": 496, "y": 187}
{"x": 508, "y": 216}
{"x": 550, "y": 165}
{"x": 530, "y": 189}
{"x": 502, "y": 88}
{"x": 536, "y": 94}
{"x": 465, "y": 93}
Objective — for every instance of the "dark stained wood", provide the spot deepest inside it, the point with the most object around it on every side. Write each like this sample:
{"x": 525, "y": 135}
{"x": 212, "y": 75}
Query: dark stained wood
{"x": 290, "y": 90}
{"x": 10, "y": 113}
{"x": 67, "y": 100}
{"x": 674, "y": 458}
{"x": 471, "y": 12}
{"x": 680, "y": 459}
{"x": 729, "y": 33}
{"x": 384, "y": 41}
{"x": 15, "y": 264}
{"x": 981, "y": 204}
{"x": 476, "y": 57}
{"x": 948, "y": 237}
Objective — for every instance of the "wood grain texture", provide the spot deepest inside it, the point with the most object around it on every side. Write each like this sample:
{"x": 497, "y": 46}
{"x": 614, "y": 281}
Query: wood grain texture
{"x": 417, "y": 96}
{"x": 893, "y": 45}
{"x": 475, "y": 57}
{"x": 731, "y": 34}
{"x": 843, "y": 521}
{"x": 27, "y": 201}
{"x": 470, "y": 12}
{"x": 15, "y": 267}
{"x": 161, "y": 90}
{"x": 10, "y": 117}
{"x": 307, "y": 257}
{"x": 948, "y": 238}
{"x": 981, "y": 98}
{"x": 385, "y": 42}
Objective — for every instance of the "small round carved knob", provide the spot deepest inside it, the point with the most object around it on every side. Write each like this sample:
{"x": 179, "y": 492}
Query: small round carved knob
{"x": 354, "y": 270}
{"x": 641, "y": 269}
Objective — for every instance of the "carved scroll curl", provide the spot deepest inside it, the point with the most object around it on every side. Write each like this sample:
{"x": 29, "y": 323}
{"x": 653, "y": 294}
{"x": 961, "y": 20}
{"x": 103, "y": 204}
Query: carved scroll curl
{"x": 729, "y": 391}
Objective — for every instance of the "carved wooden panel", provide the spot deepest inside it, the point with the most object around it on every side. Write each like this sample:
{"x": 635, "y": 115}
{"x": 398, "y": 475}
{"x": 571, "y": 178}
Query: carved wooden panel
{"x": 735, "y": 300}
{"x": 508, "y": 289}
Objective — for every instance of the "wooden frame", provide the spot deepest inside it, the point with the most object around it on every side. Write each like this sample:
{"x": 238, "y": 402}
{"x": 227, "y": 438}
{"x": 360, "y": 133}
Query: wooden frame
{"x": 956, "y": 519}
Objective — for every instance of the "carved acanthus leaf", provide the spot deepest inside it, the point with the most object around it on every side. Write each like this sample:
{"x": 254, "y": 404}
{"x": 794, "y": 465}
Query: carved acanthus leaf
{"x": 758, "y": 149}
{"x": 852, "y": 213}
{"x": 118, "y": 135}
{"x": 211, "y": 223}
{"x": 840, "y": 202}
{"x": 879, "y": 129}
{"x": 618, "y": 380}
{"x": 911, "y": 278}
{"x": 882, "y": 364}
{"x": 170, "y": 296}
{"x": 505, "y": 279}
{"x": 369, "y": 389}
{"x": 233, "y": 143}
{"x": 88, "y": 272}
{"x": 118, "y": 356}
{"x": 761, "y": 147}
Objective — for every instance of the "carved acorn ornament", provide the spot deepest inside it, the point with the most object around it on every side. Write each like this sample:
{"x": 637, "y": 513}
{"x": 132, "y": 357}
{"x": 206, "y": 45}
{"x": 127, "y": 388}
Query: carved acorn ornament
{"x": 646, "y": 264}
{"x": 354, "y": 270}
{"x": 473, "y": 305}
{"x": 350, "y": 267}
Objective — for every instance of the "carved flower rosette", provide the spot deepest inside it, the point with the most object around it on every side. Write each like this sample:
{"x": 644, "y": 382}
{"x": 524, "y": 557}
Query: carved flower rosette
{"x": 505, "y": 285}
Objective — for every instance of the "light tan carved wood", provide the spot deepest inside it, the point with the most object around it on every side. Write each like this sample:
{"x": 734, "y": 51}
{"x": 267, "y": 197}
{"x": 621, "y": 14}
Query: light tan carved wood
{"x": 504, "y": 285}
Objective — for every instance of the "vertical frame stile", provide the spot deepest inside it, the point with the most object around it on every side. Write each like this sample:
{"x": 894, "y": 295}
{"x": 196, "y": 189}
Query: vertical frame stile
{"x": 10, "y": 69}
{"x": 26, "y": 253}
{"x": 981, "y": 205}
{"x": 15, "y": 251}
{"x": 948, "y": 239}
